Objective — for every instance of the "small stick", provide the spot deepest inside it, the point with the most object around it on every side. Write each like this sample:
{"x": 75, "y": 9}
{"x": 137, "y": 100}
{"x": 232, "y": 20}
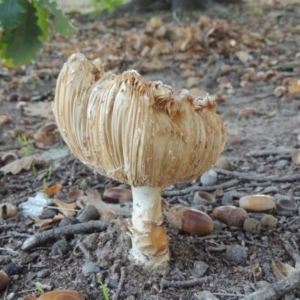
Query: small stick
{"x": 185, "y": 283}
{"x": 268, "y": 152}
{"x": 111, "y": 283}
{"x": 118, "y": 291}
{"x": 200, "y": 188}
{"x": 58, "y": 232}
{"x": 278, "y": 289}
{"x": 260, "y": 178}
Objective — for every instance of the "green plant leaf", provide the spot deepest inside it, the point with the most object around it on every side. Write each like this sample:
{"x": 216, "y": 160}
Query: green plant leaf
{"x": 21, "y": 43}
{"x": 61, "y": 23}
{"x": 11, "y": 12}
{"x": 43, "y": 20}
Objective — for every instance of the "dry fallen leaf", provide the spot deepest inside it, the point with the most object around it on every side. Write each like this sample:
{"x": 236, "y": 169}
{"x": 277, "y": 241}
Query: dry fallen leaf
{"x": 243, "y": 56}
{"x": 53, "y": 190}
{"x": 62, "y": 295}
{"x": 42, "y": 109}
{"x": 294, "y": 88}
{"x": 68, "y": 209}
{"x": 45, "y": 222}
{"x": 23, "y": 163}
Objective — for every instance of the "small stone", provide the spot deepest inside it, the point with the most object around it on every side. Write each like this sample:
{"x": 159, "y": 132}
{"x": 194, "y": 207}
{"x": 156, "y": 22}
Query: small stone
{"x": 236, "y": 254}
{"x": 209, "y": 178}
{"x": 282, "y": 163}
{"x": 206, "y": 295}
{"x": 43, "y": 273}
{"x": 90, "y": 267}
{"x": 200, "y": 267}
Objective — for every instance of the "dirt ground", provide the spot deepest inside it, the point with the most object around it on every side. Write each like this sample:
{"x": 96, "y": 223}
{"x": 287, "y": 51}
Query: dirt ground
{"x": 248, "y": 59}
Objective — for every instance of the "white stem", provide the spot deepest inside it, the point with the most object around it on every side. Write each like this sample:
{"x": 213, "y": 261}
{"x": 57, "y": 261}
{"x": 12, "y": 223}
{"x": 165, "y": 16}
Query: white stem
{"x": 149, "y": 239}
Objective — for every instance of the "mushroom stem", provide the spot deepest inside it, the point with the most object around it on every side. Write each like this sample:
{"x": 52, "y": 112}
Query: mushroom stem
{"x": 149, "y": 237}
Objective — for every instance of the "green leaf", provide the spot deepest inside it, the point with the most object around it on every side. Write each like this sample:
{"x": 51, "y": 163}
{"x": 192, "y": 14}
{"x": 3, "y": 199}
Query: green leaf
{"x": 11, "y": 12}
{"x": 61, "y": 23}
{"x": 43, "y": 20}
{"x": 21, "y": 43}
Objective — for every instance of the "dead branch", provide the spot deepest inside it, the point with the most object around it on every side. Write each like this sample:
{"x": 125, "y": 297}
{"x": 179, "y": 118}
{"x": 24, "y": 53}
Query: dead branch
{"x": 258, "y": 177}
{"x": 41, "y": 238}
{"x": 210, "y": 188}
{"x": 278, "y": 289}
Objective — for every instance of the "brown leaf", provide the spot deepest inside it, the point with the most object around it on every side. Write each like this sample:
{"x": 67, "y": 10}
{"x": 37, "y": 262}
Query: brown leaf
{"x": 23, "y": 163}
{"x": 280, "y": 269}
{"x": 45, "y": 222}
{"x": 294, "y": 88}
{"x": 62, "y": 295}
{"x": 53, "y": 190}
{"x": 68, "y": 209}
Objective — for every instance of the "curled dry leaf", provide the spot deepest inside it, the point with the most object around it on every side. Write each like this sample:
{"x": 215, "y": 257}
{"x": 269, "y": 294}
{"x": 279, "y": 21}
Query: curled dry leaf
{"x": 47, "y": 136}
{"x": 53, "y": 190}
{"x": 68, "y": 209}
{"x": 7, "y": 211}
{"x": 23, "y": 163}
{"x": 5, "y": 119}
{"x": 62, "y": 295}
{"x": 280, "y": 269}
{"x": 45, "y": 222}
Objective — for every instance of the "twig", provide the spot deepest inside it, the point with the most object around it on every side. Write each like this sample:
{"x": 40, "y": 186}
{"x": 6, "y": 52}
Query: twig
{"x": 294, "y": 255}
{"x": 118, "y": 291}
{"x": 228, "y": 295}
{"x": 278, "y": 289}
{"x": 257, "y": 177}
{"x": 111, "y": 283}
{"x": 200, "y": 188}
{"x": 58, "y": 232}
{"x": 185, "y": 283}
{"x": 268, "y": 152}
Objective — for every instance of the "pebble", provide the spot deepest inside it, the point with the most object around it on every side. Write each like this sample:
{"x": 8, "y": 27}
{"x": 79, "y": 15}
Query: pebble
{"x": 236, "y": 254}
{"x": 206, "y": 295}
{"x": 200, "y": 267}
{"x": 209, "y": 178}
{"x": 43, "y": 273}
{"x": 282, "y": 163}
{"x": 90, "y": 267}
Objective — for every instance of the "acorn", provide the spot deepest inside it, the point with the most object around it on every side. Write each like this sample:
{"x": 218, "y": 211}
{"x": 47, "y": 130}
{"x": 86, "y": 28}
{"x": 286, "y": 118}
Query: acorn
{"x": 5, "y": 119}
{"x": 108, "y": 215}
{"x": 203, "y": 198}
{"x": 115, "y": 195}
{"x": 252, "y": 225}
{"x": 224, "y": 163}
{"x": 4, "y": 280}
{"x": 62, "y": 294}
{"x": 287, "y": 206}
{"x": 268, "y": 222}
{"x": 7, "y": 211}
{"x": 236, "y": 217}
{"x": 8, "y": 157}
{"x": 190, "y": 220}
{"x": 261, "y": 203}
{"x": 220, "y": 213}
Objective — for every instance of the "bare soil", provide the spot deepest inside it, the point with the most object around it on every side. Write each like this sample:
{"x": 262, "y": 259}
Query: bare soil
{"x": 239, "y": 55}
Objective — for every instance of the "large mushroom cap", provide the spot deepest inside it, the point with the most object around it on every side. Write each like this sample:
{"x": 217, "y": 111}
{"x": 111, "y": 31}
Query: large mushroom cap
{"x": 135, "y": 131}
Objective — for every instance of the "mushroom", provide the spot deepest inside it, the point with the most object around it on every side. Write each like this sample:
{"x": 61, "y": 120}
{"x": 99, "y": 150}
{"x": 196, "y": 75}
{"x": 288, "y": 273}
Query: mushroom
{"x": 140, "y": 133}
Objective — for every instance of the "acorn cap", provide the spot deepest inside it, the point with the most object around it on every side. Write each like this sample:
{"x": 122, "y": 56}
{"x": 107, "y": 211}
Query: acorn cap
{"x": 135, "y": 131}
